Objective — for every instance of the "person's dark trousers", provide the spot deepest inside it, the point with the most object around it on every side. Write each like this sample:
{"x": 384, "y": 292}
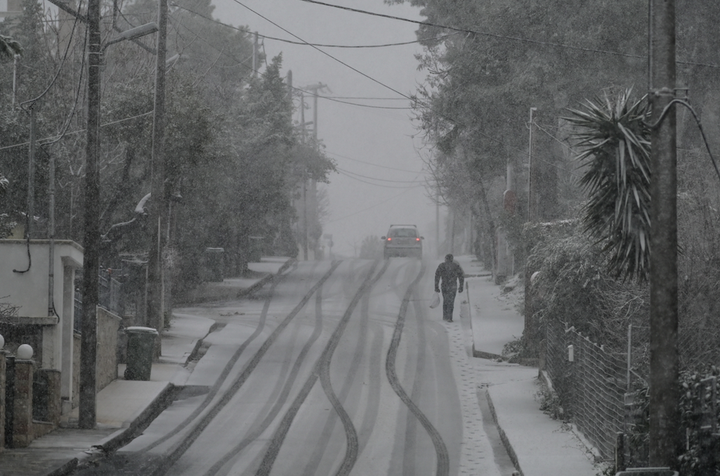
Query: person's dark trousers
{"x": 448, "y": 303}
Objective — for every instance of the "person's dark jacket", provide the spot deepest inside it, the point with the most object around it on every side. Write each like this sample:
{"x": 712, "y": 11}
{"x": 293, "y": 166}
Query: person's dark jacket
{"x": 450, "y": 272}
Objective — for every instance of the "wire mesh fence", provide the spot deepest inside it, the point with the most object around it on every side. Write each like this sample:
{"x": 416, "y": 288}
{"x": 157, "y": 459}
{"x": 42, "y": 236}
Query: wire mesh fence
{"x": 591, "y": 384}
{"x": 598, "y": 388}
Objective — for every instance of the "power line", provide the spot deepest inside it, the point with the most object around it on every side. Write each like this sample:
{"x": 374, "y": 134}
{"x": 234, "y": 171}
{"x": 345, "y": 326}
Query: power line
{"x": 502, "y": 37}
{"x": 474, "y": 32}
{"x": 62, "y": 63}
{"x": 321, "y": 45}
{"x": 363, "y": 98}
{"x": 374, "y": 165}
{"x": 375, "y": 178}
{"x": 324, "y": 52}
{"x": 78, "y": 131}
{"x": 376, "y": 184}
{"x": 371, "y": 207}
{"x": 222, "y": 51}
{"x": 77, "y": 95}
{"x": 403, "y": 108}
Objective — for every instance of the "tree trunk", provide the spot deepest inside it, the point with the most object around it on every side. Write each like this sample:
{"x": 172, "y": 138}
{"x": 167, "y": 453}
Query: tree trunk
{"x": 492, "y": 231}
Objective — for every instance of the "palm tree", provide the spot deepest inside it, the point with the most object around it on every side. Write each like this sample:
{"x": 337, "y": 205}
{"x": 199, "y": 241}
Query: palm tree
{"x": 615, "y": 137}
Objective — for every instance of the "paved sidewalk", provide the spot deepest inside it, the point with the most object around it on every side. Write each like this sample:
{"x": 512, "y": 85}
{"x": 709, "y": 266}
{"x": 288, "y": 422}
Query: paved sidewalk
{"x": 537, "y": 444}
{"x": 125, "y": 407}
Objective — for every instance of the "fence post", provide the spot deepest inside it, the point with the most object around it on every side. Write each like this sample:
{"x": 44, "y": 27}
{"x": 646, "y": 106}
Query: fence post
{"x": 50, "y": 400}
{"x": 629, "y": 357}
{"x": 620, "y": 452}
{"x": 9, "y": 399}
{"x": 2, "y": 398}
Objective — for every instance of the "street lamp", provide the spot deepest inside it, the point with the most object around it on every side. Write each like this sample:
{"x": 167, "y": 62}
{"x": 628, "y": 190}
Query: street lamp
{"x": 133, "y": 34}
{"x": 91, "y": 240}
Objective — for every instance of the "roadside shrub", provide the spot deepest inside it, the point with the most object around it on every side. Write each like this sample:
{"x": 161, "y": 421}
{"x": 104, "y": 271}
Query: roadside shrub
{"x": 572, "y": 285}
{"x": 700, "y": 449}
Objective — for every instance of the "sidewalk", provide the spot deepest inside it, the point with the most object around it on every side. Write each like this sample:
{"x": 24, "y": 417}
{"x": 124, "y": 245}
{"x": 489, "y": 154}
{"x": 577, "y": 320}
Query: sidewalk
{"x": 537, "y": 444}
{"x": 124, "y": 408}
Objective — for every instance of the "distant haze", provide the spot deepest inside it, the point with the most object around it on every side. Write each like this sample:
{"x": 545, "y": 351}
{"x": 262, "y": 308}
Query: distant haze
{"x": 376, "y": 147}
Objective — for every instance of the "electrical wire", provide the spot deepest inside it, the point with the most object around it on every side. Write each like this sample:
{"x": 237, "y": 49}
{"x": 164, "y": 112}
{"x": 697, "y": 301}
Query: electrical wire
{"x": 398, "y": 108}
{"x": 324, "y": 52}
{"x": 370, "y": 163}
{"x": 375, "y": 178}
{"x": 320, "y": 45}
{"x": 682, "y": 102}
{"x": 363, "y": 98}
{"x": 372, "y": 206}
{"x": 377, "y": 184}
{"x": 77, "y": 131}
{"x": 57, "y": 73}
{"x": 502, "y": 37}
{"x": 561, "y": 142}
{"x": 77, "y": 98}
{"x": 222, "y": 51}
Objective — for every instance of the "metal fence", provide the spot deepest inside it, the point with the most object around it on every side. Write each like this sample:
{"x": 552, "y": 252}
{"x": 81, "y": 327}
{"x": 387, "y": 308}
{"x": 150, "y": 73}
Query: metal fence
{"x": 590, "y": 382}
{"x": 598, "y": 387}
{"x": 122, "y": 297}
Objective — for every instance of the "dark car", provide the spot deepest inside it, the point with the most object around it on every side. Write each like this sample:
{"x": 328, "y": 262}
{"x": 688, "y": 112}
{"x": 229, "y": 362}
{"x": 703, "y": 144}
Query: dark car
{"x": 403, "y": 240}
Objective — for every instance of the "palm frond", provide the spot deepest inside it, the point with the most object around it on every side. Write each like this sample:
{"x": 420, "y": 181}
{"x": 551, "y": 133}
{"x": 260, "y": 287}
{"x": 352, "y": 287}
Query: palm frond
{"x": 613, "y": 137}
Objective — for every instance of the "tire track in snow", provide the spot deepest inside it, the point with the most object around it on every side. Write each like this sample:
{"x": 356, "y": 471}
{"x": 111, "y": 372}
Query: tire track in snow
{"x": 172, "y": 456}
{"x": 443, "y": 459}
{"x": 319, "y": 372}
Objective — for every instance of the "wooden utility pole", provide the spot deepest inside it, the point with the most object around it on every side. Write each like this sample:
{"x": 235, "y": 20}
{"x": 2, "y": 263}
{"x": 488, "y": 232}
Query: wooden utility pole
{"x": 91, "y": 239}
{"x": 159, "y": 194}
{"x": 531, "y": 205}
{"x": 304, "y": 183}
{"x": 664, "y": 361}
{"x": 255, "y": 55}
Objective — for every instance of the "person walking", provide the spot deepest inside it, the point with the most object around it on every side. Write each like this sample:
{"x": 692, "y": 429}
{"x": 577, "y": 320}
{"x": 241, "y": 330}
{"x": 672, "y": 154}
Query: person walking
{"x": 450, "y": 273}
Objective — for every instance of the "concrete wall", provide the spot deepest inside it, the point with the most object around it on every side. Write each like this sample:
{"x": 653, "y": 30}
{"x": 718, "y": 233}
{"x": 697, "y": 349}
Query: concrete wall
{"x": 29, "y": 290}
{"x": 108, "y": 327}
{"x": 75, "y": 374}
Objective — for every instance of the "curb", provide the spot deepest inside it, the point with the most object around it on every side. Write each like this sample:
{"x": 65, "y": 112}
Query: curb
{"x": 478, "y": 353}
{"x": 65, "y": 469}
{"x": 266, "y": 279}
{"x": 503, "y": 437}
{"x": 485, "y": 355}
{"x": 122, "y": 436}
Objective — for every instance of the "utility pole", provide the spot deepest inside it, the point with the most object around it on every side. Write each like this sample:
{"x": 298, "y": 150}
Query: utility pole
{"x": 437, "y": 220}
{"x": 531, "y": 215}
{"x": 31, "y": 173}
{"x": 304, "y": 182}
{"x": 158, "y": 201}
{"x": 87, "y": 410}
{"x": 289, "y": 84}
{"x": 528, "y": 326}
{"x": 313, "y": 205}
{"x": 91, "y": 240}
{"x": 255, "y": 55}
{"x": 664, "y": 362}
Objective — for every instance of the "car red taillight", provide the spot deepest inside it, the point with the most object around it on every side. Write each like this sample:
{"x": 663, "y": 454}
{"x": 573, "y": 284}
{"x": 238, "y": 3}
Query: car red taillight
{"x": 389, "y": 239}
{"x": 417, "y": 239}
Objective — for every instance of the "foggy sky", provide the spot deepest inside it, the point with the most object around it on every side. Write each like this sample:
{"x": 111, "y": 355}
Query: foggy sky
{"x": 376, "y": 143}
